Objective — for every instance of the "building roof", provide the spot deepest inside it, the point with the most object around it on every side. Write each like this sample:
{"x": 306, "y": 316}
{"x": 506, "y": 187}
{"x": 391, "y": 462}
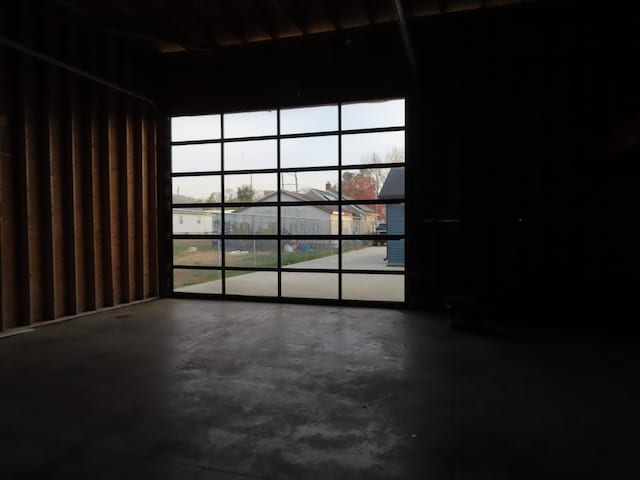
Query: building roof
{"x": 194, "y": 211}
{"x": 394, "y": 184}
{"x": 316, "y": 195}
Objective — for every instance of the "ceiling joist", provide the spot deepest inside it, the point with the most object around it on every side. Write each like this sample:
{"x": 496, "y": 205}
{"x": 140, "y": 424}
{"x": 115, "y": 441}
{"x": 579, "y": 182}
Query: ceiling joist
{"x": 203, "y": 25}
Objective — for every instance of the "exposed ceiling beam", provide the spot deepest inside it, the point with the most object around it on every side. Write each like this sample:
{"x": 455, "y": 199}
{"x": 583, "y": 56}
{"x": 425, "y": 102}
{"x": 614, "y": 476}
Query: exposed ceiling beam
{"x": 73, "y": 69}
{"x": 366, "y": 8}
{"x": 171, "y": 19}
{"x": 204, "y": 19}
{"x": 409, "y": 7}
{"x": 230, "y": 21}
{"x": 269, "y": 21}
{"x": 124, "y": 9}
{"x": 293, "y": 12}
{"x": 332, "y": 9}
{"x": 404, "y": 31}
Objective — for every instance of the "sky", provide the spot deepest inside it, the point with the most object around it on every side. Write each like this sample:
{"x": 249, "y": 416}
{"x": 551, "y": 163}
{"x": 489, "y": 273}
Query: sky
{"x": 296, "y": 152}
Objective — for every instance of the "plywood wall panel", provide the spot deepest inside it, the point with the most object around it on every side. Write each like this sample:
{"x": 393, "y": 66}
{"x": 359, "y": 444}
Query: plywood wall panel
{"x": 101, "y": 254}
{"x": 54, "y": 195}
{"x": 36, "y": 297}
{"x": 143, "y": 188}
{"x": 9, "y": 306}
{"x": 77, "y": 192}
{"x": 113, "y": 187}
{"x": 77, "y": 180}
{"x": 137, "y": 185}
{"x": 151, "y": 212}
{"x": 128, "y": 206}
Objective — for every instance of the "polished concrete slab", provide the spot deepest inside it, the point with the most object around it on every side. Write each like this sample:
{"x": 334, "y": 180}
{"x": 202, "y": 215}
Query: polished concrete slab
{"x": 229, "y": 390}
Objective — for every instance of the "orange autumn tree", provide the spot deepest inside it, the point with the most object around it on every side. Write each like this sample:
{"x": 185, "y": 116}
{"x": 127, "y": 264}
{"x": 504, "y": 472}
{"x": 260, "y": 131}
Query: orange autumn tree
{"x": 359, "y": 185}
{"x": 362, "y": 186}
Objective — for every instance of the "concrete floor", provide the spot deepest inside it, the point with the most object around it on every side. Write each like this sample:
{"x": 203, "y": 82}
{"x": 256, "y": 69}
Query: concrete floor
{"x": 190, "y": 389}
{"x": 372, "y": 287}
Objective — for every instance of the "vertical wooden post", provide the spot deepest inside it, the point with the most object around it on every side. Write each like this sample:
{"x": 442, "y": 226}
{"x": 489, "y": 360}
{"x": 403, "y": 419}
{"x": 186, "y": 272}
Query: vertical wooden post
{"x": 30, "y": 212}
{"x": 86, "y": 254}
{"x": 138, "y": 217}
{"x": 68, "y": 194}
{"x": 8, "y": 293}
{"x": 113, "y": 189}
{"x": 153, "y": 207}
{"x": 53, "y": 196}
{"x": 126, "y": 204}
{"x": 105, "y": 215}
{"x": 145, "y": 252}
{"x": 77, "y": 228}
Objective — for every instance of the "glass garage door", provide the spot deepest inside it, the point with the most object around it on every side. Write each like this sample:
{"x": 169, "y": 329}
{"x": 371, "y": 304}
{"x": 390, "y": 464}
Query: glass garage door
{"x": 298, "y": 203}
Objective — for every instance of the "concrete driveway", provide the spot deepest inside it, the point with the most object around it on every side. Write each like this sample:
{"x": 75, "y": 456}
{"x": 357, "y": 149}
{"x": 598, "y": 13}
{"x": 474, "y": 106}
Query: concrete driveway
{"x": 319, "y": 285}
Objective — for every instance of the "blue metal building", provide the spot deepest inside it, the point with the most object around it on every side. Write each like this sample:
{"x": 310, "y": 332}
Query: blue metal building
{"x": 393, "y": 188}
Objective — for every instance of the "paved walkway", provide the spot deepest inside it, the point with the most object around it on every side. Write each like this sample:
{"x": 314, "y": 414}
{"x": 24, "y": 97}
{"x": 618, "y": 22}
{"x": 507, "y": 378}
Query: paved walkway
{"x": 319, "y": 285}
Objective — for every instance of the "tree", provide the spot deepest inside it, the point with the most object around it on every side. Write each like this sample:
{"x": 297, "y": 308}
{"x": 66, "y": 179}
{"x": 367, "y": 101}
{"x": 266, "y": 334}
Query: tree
{"x": 378, "y": 174}
{"x": 395, "y": 155}
{"x": 214, "y": 197}
{"x": 245, "y": 193}
{"x": 229, "y": 195}
{"x": 359, "y": 185}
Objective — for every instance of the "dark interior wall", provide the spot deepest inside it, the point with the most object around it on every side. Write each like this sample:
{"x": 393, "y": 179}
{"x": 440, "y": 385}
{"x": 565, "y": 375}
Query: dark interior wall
{"x": 77, "y": 175}
{"x": 517, "y": 196}
{"x": 520, "y": 117}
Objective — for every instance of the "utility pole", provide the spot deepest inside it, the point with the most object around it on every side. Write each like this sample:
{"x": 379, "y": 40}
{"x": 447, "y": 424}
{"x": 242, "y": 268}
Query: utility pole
{"x": 295, "y": 177}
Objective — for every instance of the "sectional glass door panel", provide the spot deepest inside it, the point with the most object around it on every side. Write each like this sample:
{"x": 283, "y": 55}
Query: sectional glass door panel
{"x": 300, "y": 203}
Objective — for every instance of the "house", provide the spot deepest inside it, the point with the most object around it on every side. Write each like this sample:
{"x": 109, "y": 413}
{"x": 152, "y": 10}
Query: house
{"x": 393, "y": 189}
{"x": 305, "y": 219}
{"x": 194, "y": 221}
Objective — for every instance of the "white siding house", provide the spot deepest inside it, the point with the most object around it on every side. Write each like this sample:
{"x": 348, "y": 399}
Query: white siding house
{"x": 194, "y": 221}
{"x": 308, "y": 219}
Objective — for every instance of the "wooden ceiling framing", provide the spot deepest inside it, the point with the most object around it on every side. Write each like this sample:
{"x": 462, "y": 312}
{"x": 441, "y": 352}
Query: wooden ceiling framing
{"x": 192, "y": 25}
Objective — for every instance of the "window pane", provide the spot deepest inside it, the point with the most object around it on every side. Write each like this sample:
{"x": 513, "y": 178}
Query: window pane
{"x": 360, "y": 219}
{"x": 309, "y": 152}
{"x": 251, "y": 187}
{"x": 388, "y": 113}
{"x": 250, "y": 124}
{"x": 195, "y": 158}
{"x": 248, "y": 253}
{"x": 196, "y": 221}
{"x": 197, "y": 281}
{"x": 201, "y": 127}
{"x": 372, "y": 287}
{"x": 310, "y": 220}
{"x": 372, "y": 148}
{"x": 394, "y": 218}
{"x": 251, "y": 155}
{"x": 262, "y": 284}
{"x": 308, "y": 120}
{"x": 196, "y": 252}
{"x": 367, "y": 183}
{"x": 367, "y": 255}
{"x": 200, "y": 189}
{"x": 391, "y": 182}
{"x": 251, "y": 221}
{"x": 310, "y": 285}
{"x": 307, "y": 186}
{"x": 305, "y": 253}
